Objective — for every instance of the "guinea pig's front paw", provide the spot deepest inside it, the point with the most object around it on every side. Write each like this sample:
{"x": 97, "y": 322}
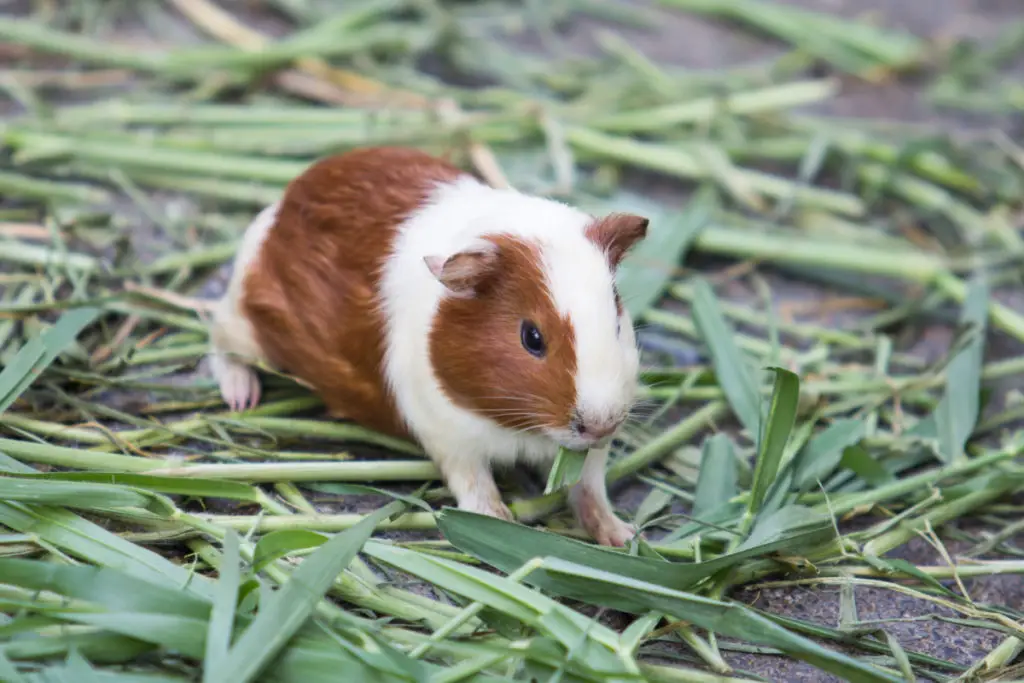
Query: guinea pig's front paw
{"x": 596, "y": 517}
{"x": 612, "y": 531}
{"x": 490, "y": 507}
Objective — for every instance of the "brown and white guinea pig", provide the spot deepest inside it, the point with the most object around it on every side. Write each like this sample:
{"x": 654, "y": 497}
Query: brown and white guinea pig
{"x": 416, "y": 300}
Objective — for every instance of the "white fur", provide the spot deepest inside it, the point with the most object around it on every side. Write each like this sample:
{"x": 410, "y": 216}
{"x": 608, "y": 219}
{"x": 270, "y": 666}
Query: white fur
{"x": 581, "y": 285}
{"x": 232, "y": 336}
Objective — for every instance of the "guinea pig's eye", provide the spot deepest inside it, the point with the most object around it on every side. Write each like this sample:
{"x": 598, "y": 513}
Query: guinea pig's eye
{"x": 532, "y": 339}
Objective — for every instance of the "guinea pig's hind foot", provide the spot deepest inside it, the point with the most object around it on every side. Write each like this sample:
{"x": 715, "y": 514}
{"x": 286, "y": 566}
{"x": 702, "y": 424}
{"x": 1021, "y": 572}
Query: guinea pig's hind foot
{"x": 238, "y": 382}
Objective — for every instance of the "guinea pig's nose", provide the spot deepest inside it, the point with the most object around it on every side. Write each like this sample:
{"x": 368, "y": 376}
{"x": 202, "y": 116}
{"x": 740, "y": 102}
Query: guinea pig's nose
{"x": 597, "y": 430}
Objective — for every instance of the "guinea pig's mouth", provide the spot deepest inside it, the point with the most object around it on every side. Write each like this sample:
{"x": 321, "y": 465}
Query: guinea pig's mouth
{"x": 572, "y": 441}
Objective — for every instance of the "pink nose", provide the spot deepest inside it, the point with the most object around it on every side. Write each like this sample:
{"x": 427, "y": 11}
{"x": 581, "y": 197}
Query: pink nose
{"x": 597, "y": 430}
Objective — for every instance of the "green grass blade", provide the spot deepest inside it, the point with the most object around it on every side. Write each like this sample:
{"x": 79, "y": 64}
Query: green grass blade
{"x": 198, "y": 488}
{"x": 277, "y": 544}
{"x": 508, "y": 546}
{"x": 40, "y": 352}
{"x": 294, "y": 602}
{"x": 797, "y": 527}
{"x": 731, "y": 366}
{"x": 957, "y": 412}
{"x": 728, "y": 619}
{"x": 91, "y": 542}
{"x": 565, "y": 470}
{"x": 222, "y": 617}
{"x": 593, "y": 645}
{"x": 860, "y": 462}
{"x": 821, "y": 454}
{"x": 114, "y": 590}
{"x": 8, "y": 672}
{"x": 70, "y": 494}
{"x": 716, "y": 482}
{"x": 781, "y": 418}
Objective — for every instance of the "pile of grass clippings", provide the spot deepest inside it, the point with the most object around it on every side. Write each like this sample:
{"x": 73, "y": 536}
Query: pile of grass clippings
{"x": 148, "y": 534}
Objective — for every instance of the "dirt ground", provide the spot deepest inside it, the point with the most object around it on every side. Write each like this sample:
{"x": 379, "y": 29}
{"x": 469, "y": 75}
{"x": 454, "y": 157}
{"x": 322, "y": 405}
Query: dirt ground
{"x": 691, "y": 42}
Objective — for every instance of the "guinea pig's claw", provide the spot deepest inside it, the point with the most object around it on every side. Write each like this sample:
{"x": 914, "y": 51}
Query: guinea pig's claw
{"x": 239, "y": 386}
{"x": 497, "y": 509}
{"x": 613, "y": 532}
{"x": 595, "y": 515}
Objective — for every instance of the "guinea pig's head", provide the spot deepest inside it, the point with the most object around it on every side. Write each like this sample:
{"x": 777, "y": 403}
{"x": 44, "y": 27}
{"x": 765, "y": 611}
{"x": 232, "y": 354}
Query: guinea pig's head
{"x": 532, "y": 333}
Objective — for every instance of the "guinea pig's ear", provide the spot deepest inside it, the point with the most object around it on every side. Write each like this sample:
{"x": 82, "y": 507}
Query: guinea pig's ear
{"x": 616, "y": 234}
{"x": 464, "y": 271}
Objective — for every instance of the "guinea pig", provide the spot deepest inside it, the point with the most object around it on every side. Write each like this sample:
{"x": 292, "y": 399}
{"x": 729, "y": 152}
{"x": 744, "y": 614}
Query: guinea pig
{"x": 416, "y": 300}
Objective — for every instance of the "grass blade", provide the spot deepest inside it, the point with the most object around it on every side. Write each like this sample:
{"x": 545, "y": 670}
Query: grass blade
{"x": 729, "y": 619}
{"x": 39, "y": 353}
{"x": 821, "y": 454}
{"x": 222, "y": 617}
{"x": 292, "y": 605}
{"x": 957, "y": 412}
{"x": 781, "y": 418}
{"x": 508, "y": 546}
{"x": 716, "y": 483}
{"x": 731, "y": 366}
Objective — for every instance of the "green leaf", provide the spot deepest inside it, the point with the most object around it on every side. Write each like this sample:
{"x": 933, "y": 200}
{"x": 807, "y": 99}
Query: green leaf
{"x": 508, "y": 546}
{"x": 277, "y": 544}
{"x": 309, "y": 659}
{"x": 99, "y": 646}
{"x": 199, "y": 488}
{"x": 112, "y": 589}
{"x": 78, "y": 669}
{"x": 860, "y": 462}
{"x": 716, "y": 483}
{"x": 71, "y": 494}
{"x": 731, "y": 367}
{"x": 171, "y": 617}
{"x": 781, "y": 418}
{"x": 591, "y": 643}
{"x": 222, "y": 617}
{"x": 91, "y": 542}
{"x": 728, "y": 619}
{"x": 957, "y": 412}
{"x": 280, "y": 617}
{"x": 898, "y": 566}
{"x": 653, "y": 503}
{"x": 900, "y": 655}
{"x": 8, "y": 672}
{"x": 792, "y": 529}
{"x": 822, "y": 453}
{"x": 647, "y": 270}
{"x": 362, "y": 489}
{"x": 40, "y": 352}
{"x": 565, "y": 470}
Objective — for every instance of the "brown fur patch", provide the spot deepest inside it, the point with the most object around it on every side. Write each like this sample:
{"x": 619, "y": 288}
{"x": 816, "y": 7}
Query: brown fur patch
{"x": 478, "y": 356}
{"x": 312, "y": 293}
{"x": 616, "y": 234}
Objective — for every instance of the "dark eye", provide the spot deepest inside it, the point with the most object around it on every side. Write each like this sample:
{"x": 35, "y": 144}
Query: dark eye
{"x": 532, "y": 339}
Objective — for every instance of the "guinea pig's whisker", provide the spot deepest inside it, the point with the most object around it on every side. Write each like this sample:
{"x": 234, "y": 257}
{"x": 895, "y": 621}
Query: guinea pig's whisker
{"x": 523, "y": 417}
{"x": 508, "y": 411}
{"x": 643, "y": 410}
{"x": 513, "y": 397}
